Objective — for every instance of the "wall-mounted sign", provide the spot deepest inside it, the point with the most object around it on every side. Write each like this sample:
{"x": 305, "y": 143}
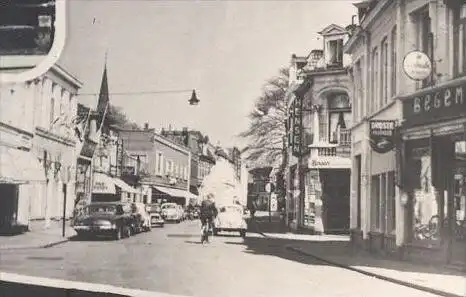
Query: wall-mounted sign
{"x": 417, "y": 65}
{"x": 445, "y": 102}
{"x": 329, "y": 163}
{"x": 297, "y": 127}
{"x": 382, "y": 135}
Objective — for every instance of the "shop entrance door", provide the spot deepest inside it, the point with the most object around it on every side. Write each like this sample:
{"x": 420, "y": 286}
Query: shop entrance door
{"x": 8, "y": 206}
{"x": 457, "y": 211}
{"x": 336, "y": 202}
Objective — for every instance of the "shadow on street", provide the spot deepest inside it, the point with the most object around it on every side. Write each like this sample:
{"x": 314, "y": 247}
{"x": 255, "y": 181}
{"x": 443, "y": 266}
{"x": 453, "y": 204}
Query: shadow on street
{"x": 327, "y": 249}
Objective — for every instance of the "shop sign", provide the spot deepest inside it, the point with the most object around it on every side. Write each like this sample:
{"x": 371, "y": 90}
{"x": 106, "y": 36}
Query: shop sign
{"x": 417, "y": 65}
{"x": 297, "y": 127}
{"x": 382, "y": 135}
{"x": 329, "y": 163}
{"x": 443, "y": 102}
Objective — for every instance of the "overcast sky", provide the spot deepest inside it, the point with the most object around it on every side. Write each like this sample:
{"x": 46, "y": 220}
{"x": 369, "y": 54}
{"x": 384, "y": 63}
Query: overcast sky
{"x": 225, "y": 50}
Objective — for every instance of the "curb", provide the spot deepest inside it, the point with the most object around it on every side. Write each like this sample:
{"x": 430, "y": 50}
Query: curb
{"x": 367, "y": 273}
{"x": 29, "y": 247}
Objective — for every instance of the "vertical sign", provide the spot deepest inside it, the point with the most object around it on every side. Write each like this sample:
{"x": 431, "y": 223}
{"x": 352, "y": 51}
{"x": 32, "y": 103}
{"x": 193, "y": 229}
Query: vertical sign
{"x": 297, "y": 126}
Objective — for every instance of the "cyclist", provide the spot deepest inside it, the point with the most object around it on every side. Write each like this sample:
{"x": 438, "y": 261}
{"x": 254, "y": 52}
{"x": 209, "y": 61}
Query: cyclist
{"x": 208, "y": 212}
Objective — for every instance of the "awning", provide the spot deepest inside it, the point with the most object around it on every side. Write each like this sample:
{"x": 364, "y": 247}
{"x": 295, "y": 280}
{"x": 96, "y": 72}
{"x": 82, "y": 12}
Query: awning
{"x": 124, "y": 186}
{"x": 19, "y": 167}
{"x": 173, "y": 192}
{"x": 104, "y": 184}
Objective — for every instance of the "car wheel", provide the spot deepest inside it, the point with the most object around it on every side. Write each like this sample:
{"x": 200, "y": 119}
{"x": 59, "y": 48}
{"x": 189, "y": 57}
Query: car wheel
{"x": 118, "y": 233}
{"x": 242, "y": 233}
{"x": 162, "y": 225}
{"x": 215, "y": 231}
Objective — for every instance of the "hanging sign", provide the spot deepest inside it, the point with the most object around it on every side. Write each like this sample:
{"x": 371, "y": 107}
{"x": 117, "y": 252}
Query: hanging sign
{"x": 417, "y": 65}
{"x": 382, "y": 135}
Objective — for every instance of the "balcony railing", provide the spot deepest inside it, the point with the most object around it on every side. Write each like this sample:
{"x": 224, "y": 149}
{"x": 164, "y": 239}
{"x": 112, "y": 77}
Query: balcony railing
{"x": 345, "y": 137}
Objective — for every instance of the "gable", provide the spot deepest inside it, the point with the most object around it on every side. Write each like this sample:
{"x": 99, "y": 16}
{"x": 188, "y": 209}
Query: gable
{"x": 333, "y": 30}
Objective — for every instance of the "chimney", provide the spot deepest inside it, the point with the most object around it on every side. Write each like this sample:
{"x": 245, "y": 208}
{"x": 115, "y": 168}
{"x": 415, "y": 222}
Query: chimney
{"x": 146, "y": 126}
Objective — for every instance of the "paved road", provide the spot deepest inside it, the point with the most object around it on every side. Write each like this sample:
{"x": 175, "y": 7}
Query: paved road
{"x": 171, "y": 260}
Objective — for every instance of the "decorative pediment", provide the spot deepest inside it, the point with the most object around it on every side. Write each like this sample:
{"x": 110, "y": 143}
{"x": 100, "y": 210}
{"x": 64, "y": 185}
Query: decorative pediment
{"x": 333, "y": 30}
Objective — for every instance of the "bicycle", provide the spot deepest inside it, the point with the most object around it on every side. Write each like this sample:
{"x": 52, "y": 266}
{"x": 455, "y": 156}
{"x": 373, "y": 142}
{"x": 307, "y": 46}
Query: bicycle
{"x": 206, "y": 228}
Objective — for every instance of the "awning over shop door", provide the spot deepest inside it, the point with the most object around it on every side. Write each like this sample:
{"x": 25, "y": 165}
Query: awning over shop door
{"x": 103, "y": 184}
{"x": 18, "y": 167}
{"x": 173, "y": 192}
{"x": 124, "y": 186}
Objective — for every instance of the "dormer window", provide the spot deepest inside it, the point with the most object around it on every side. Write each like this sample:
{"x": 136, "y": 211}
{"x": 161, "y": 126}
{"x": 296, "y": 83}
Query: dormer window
{"x": 335, "y": 52}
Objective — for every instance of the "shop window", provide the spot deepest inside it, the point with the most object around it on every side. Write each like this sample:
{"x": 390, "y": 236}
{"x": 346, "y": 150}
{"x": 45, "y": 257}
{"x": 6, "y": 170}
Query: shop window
{"x": 383, "y": 202}
{"x": 459, "y": 39}
{"x": 425, "y": 204}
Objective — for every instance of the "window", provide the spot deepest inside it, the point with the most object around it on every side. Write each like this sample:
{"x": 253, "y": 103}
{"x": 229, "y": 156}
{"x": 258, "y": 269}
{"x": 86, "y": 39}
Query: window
{"x": 52, "y": 110}
{"x": 374, "y": 81}
{"x": 384, "y": 73}
{"x": 459, "y": 40}
{"x": 169, "y": 167}
{"x": 339, "y": 115}
{"x": 391, "y": 202}
{"x": 394, "y": 63}
{"x": 335, "y": 51}
{"x": 375, "y": 187}
{"x": 159, "y": 163}
{"x": 425, "y": 37}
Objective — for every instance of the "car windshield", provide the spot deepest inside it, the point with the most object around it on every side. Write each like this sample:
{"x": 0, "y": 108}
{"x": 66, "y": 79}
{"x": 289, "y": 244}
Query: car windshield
{"x": 168, "y": 206}
{"x": 101, "y": 209}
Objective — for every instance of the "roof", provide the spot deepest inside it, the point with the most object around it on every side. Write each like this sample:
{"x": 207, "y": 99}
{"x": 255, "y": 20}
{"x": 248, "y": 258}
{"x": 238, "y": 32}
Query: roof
{"x": 333, "y": 29}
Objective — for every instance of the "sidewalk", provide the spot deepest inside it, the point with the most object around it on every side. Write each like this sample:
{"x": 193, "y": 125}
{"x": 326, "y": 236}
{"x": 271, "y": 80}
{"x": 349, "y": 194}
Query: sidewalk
{"x": 38, "y": 237}
{"x": 335, "y": 250}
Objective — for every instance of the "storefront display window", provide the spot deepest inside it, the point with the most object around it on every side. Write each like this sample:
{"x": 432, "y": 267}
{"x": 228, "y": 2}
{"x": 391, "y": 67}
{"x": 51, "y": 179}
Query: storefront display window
{"x": 425, "y": 204}
{"x": 459, "y": 191}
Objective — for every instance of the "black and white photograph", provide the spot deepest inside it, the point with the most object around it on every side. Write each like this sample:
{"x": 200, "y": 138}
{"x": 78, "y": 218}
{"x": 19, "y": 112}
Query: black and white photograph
{"x": 263, "y": 148}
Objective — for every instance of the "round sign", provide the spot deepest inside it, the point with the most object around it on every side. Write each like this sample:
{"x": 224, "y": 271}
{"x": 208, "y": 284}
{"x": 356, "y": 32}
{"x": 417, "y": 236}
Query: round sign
{"x": 417, "y": 65}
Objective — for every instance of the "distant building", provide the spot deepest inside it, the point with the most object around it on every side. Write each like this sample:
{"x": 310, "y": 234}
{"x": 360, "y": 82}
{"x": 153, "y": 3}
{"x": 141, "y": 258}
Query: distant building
{"x": 257, "y": 195}
{"x": 167, "y": 165}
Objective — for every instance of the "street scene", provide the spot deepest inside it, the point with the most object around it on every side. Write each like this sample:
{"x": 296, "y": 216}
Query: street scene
{"x": 181, "y": 148}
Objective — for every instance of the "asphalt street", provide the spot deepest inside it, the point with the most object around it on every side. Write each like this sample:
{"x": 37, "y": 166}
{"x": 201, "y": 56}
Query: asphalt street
{"x": 172, "y": 260}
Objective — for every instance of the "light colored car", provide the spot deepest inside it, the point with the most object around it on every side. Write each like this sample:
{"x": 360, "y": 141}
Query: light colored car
{"x": 230, "y": 218}
{"x": 171, "y": 212}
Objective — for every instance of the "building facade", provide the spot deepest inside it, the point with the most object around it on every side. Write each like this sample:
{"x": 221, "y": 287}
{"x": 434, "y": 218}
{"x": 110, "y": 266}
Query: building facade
{"x": 37, "y": 130}
{"x": 319, "y": 109}
{"x": 257, "y": 196}
{"x": 168, "y": 165}
{"x": 409, "y": 201}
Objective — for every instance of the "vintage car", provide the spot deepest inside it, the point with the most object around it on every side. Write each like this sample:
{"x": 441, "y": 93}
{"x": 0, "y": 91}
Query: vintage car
{"x": 113, "y": 219}
{"x": 155, "y": 212}
{"x": 171, "y": 212}
{"x": 141, "y": 217}
{"x": 230, "y": 218}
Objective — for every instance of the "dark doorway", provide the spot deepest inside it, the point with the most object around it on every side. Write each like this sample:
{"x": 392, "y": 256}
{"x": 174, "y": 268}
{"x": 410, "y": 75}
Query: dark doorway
{"x": 8, "y": 207}
{"x": 336, "y": 200}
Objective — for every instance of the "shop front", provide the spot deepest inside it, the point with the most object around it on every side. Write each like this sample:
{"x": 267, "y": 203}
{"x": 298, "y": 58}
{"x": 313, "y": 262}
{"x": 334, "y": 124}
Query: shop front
{"x": 327, "y": 196}
{"x": 162, "y": 194}
{"x": 433, "y": 173}
{"x": 22, "y": 179}
{"x": 106, "y": 188}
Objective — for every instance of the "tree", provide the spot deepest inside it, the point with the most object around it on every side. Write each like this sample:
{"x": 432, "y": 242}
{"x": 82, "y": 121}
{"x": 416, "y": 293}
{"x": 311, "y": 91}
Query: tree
{"x": 116, "y": 116}
{"x": 267, "y": 123}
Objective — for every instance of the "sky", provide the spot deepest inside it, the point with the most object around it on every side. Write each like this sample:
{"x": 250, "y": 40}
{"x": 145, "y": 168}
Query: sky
{"x": 225, "y": 50}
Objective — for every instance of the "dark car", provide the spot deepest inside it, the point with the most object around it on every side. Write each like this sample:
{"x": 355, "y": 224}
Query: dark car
{"x": 112, "y": 219}
{"x": 155, "y": 212}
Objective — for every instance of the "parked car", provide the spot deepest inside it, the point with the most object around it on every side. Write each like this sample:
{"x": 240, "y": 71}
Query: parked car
{"x": 105, "y": 219}
{"x": 230, "y": 218}
{"x": 171, "y": 212}
{"x": 141, "y": 217}
{"x": 155, "y": 212}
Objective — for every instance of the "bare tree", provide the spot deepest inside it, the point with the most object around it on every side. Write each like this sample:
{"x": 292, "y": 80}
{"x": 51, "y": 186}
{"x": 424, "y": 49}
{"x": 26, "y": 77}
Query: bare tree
{"x": 267, "y": 127}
